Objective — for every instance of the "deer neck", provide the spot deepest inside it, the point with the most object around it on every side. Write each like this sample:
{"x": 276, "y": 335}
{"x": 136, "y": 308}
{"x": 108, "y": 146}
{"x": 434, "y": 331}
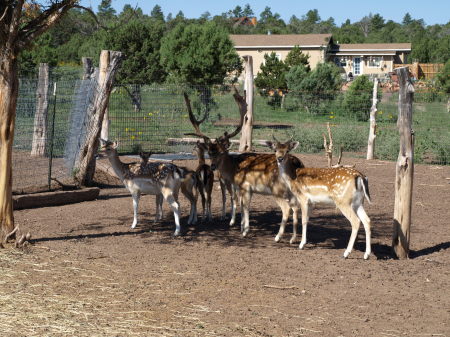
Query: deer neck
{"x": 226, "y": 165}
{"x": 201, "y": 160}
{"x": 120, "y": 169}
{"x": 287, "y": 168}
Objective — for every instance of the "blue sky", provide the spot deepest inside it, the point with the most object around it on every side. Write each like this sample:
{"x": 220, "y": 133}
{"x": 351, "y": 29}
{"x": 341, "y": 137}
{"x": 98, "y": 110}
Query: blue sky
{"x": 432, "y": 11}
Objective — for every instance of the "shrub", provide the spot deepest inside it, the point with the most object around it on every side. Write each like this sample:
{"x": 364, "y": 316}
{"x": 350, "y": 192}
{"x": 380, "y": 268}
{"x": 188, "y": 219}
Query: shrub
{"x": 358, "y": 98}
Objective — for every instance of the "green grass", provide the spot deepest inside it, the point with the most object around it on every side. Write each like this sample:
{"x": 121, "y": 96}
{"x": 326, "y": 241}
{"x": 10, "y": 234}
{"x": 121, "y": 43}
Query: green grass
{"x": 163, "y": 114}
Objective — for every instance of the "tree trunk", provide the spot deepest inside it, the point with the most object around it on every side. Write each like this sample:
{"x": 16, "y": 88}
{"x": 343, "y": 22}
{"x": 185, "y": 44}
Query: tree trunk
{"x": 9, "y": 89}
{"x": 103, "y": 68}
{"x": 405, "y": 168}
{"x": 39, "y": 147}
{"x": 247, "y": 128}
{"x": 373, "y": 122}
{"x": 88, "y": 67}
{"x": 85, "y": 163}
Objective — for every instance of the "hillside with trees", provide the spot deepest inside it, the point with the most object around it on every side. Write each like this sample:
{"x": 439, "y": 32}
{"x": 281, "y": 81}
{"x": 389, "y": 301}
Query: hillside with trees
{"x": 144, "y": 36}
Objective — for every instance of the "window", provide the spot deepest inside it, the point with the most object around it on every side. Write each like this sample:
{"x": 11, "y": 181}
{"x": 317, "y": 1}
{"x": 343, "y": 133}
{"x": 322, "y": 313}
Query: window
{"x": 340, "y": 62}
{"x": 375, "y": 61}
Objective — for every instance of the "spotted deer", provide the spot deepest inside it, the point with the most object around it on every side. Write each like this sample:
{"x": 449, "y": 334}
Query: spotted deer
{"x": 343, "y": 187}
{"x": 249, "y": 173}
{"x": 188, "y": 189}
{"x": 205, "y": 180}
{"x": 151, "y": 178}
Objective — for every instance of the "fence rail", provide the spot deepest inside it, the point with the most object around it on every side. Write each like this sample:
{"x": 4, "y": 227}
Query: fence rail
{"x": 150, "y": 117}
{"x": 426, "y": 71}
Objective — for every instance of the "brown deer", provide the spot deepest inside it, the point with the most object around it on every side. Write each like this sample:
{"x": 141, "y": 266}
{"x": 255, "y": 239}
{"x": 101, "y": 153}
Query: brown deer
{"x": 343, "y": 187}
{"x": 152, "y": 178}
{"x": 188, "y": 186}
{"x": 248, "y": 173}
{"x": 205, "y": 180}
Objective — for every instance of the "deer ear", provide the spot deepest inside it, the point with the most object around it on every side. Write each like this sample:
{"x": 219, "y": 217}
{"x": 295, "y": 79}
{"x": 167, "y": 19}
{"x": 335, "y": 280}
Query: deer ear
{"x": 115, "y": 145}
{"x": 293, "y": 145}
{"x": 271, "y": 144}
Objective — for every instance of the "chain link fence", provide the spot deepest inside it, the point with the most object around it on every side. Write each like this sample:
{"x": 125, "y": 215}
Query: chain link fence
{"x": 154, "y": 118}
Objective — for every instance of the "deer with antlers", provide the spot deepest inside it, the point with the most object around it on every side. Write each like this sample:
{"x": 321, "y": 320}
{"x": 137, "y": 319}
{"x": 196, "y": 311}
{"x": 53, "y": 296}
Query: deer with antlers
{"x": 248, "y": 173}
{"x": 343, "y": 187}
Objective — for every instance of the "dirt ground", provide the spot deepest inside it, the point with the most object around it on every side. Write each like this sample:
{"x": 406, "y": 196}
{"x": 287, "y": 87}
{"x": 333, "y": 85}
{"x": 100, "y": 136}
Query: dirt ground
{"x": 86, "y": 273}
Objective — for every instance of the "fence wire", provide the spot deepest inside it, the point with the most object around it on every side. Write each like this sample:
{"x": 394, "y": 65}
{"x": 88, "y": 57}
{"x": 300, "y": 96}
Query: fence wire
{"x": 154, "y": 118}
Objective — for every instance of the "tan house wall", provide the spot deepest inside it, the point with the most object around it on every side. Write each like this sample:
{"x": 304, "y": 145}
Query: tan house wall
{"x": 315, "y": 56}
{"x": 386, "y": 65}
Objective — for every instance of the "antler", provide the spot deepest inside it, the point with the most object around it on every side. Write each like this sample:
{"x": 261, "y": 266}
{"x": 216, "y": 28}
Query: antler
{"x": 242, "y": 104}
{"x": 195, "y": 123}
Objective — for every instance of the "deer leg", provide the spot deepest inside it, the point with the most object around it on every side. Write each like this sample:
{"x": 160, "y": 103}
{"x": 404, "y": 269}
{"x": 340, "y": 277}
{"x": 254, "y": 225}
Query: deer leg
{"x": 159, "y": 209}
{"x": 187, "y": 192}
{"x": 202, "y": 196}
{"x": 304, "y": 205}
{"x": 135, "y": 197}
{"x": 350, "y": 214}
{"x": 362, "y": 215}
{"x": 223, "y": 189}
{"x": 174, "y": 206}
{"x": 285, "y": 208}
{"x": 246, "y": 197}
{"x": 208, "y": 203}
{"x": 294, "y": 225}
{"x": 234, "y": 199}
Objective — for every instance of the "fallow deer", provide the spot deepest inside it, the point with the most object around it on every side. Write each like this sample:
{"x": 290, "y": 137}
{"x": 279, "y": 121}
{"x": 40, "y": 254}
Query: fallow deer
{"x": 188, "y": 189}
{"x": 152, "y": 178}
{"x": 205, "y": 180}
{"x": 249, "y": 173}
{"x": 343, "y": 187}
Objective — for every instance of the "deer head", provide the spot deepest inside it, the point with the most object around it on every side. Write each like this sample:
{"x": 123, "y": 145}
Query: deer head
{"x": 282, "y": 149}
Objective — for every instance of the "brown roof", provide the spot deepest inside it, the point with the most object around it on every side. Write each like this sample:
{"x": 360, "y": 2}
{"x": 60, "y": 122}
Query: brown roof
{"x": 371, "y": 46}
{"x": 280, "y": 40}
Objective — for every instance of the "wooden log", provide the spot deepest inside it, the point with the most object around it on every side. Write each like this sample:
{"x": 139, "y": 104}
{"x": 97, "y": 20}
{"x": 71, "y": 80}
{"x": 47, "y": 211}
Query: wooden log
{"x": 372, "y": 122}
{"x": 188, "y": 140}
{"x": 54, "y": 198}
{"x": 247, "y": 127}
{"x": 39, "y": 146}
{"x": 404, "y": 173}
{"x": 85, "y": 162}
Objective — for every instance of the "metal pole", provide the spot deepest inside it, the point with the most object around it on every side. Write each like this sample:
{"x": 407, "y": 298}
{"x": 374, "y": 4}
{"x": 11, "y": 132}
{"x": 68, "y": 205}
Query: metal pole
{"x": 50, "y": 158}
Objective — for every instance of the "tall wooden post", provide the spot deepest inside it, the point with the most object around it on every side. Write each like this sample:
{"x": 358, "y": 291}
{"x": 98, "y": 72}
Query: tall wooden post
{"x": 88, "y": 67}
{"x": 103, "y": 67}
{"x": 39, "y": 145}
{"x": 373, "y": 122}
{"x": 245, "y": 143}
{"x": 85, "y": 162}
{"x": 404, "y": 173}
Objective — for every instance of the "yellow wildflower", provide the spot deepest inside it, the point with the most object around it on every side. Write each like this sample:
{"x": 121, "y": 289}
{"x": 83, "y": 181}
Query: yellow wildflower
{"x": 126, "y": 129}
{"x": 133, "y": 137}
{"x": 331, "y": 117}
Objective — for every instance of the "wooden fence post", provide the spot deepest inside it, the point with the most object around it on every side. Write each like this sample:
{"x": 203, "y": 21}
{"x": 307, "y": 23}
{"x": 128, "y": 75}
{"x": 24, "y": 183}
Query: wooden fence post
{"x": 373, "y": 122}
{"x": 88, "y": 67}
{"x": 85, "y": 162}
{"x": 404, "y": 173}
{"x": 103, "y": 67}
{"x": 39, "y": 146}
{"x": 245, "y": 143}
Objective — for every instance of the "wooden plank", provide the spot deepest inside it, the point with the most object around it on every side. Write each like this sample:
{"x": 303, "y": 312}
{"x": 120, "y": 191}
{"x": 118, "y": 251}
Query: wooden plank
{"x": 57, "y": 198}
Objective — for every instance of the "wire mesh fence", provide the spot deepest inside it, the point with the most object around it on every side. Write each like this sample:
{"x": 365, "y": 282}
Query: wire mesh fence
{"x": 154, "y": 118}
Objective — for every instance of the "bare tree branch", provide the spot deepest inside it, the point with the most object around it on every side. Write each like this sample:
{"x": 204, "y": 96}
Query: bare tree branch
{"x": 44, "y": 21}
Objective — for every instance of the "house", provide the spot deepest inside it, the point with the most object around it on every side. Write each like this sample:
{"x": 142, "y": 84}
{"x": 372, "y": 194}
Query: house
{"x": 369, "y": 58}
{"x": 257, "y": 45}
{"x": 365, "y": 58}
